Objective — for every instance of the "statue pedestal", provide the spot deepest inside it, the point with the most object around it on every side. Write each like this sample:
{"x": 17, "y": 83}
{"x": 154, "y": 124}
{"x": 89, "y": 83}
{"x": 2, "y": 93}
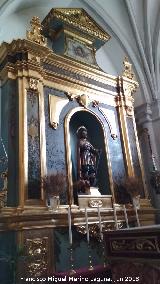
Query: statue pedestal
{"x": 92, "y": 201}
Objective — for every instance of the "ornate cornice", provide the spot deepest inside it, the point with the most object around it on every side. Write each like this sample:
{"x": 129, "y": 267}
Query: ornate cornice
{"x": 26, "y": 58}
{"x": 79, "y": 19}
{"x": 44, "y": 54}
{"x": 26, "y": 55}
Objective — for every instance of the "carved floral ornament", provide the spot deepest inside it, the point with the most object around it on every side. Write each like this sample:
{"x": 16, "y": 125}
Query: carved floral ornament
{"x": 37, "y": 252}
{"x": 139, "y": 244}
{"x": 95, "y": 203}
{"x": 33, "y": 84}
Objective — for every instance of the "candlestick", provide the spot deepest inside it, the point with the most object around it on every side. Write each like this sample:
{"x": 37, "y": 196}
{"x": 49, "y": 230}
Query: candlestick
{"x": 125, "y": 215}
{"x": 104, "y": 255}
{"x": 137, "y": 218}
{"x": 115, "y": 217}
{"x": 87, "y": 229}
{"x": 69, "y": 225}
{"x": 72, "y": 271}
{"x": 100, "y": 223}
{"x": 90, "y": 258}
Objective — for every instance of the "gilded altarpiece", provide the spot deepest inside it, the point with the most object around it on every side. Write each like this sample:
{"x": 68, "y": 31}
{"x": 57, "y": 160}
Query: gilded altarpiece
{"x": 47, "y": 94}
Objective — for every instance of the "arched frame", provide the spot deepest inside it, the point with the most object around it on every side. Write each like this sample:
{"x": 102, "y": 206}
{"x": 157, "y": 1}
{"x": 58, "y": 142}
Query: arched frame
{"x": 68, "y": 151}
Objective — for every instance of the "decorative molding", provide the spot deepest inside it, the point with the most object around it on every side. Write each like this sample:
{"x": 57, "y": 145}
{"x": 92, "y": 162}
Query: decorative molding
{"x": 137, "y": 244}
{"x": 35, "y": 33}
{"x": 37, "y": 252}
{"x": 56, "y": 104}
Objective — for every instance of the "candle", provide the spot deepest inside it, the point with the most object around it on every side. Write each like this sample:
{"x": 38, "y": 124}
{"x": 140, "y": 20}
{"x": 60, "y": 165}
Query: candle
{"x": 125, "y": 215}
{"x": 115, "y": 217}
{"x": 100, "y": 224}
{"x": 87, "y": 229}
{"x": 137, "y": 218}
{"x": 70, "y": 225}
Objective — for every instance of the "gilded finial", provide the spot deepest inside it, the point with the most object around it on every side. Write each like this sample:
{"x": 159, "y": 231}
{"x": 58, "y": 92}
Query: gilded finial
{"x": 35, "y": 33}
{"x": 128, "y": 71}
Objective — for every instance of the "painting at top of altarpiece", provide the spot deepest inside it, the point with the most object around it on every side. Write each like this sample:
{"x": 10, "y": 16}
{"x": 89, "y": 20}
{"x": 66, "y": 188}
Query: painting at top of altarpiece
{"x": 9, "y": 133}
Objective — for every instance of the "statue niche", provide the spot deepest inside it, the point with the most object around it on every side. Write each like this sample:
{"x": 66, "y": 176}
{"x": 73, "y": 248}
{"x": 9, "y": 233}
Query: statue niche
{"x": 87, "y": 162}
{"x": 88, "y": 155}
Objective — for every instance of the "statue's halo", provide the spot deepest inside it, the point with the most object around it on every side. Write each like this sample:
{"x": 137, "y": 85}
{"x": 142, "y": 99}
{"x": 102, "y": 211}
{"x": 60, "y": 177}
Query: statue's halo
{"x": 80, "y": 129}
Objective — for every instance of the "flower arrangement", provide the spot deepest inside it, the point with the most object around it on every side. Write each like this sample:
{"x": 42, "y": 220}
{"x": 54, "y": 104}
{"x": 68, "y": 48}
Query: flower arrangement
{"x": 121, "y": 194}
{"x": 82, "y": 186}
{"x": 132, "y": 185}
{"x": 54, "y": 184}
{"x": 126, "y": 189}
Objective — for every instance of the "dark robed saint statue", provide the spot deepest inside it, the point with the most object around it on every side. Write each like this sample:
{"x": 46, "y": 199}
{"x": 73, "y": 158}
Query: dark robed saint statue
{"x": 87, "y": 161}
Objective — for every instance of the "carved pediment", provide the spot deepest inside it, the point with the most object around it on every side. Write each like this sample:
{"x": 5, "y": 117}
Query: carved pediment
{"x": 78, "y": 18}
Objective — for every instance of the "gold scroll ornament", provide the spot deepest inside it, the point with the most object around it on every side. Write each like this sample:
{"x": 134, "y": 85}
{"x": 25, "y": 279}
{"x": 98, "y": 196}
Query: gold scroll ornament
{"x": 56, "y": 104}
